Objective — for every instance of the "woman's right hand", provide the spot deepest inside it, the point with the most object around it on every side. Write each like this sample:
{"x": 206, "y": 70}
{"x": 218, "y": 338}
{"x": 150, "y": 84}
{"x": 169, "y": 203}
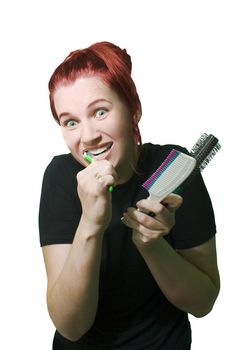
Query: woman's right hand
{"x": 92, "y": 187}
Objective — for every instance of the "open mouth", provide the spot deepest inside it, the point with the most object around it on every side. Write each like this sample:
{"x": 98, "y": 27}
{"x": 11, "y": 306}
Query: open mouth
{"x": 99, "y": 151}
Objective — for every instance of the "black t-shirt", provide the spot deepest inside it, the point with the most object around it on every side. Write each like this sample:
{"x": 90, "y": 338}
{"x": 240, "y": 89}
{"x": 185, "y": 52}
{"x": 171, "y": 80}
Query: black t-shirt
{"x": 133, "y": 313}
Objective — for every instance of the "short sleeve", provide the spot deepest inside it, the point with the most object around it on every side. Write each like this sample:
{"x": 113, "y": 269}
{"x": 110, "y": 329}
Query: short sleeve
{"x": 195, "y": 220}
{"x": 60, "y": 209}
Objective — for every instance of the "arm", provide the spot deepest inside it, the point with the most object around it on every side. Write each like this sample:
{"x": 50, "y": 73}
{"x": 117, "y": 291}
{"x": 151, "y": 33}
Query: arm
{"x": 73, "y": 269}
{"x": 73, "y": 278}
{"x": 188, "y": 278}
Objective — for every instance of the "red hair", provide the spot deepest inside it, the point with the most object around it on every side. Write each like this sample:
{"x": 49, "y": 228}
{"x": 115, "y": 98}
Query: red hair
{"x": 107, "y": 61}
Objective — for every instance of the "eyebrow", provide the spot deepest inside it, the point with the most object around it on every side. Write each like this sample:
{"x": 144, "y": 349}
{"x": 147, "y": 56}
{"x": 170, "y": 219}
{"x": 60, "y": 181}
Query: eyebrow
{"x": 98, "y": 100}
{"x": 67, "y": 114}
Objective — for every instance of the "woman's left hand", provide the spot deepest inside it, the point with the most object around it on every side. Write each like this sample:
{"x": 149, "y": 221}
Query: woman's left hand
{"x": 149, "y": 228}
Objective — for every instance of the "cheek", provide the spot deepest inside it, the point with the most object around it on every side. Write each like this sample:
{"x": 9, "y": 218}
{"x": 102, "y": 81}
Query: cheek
{"x": 69, "y": 138}
{"x": 122, "y": 130}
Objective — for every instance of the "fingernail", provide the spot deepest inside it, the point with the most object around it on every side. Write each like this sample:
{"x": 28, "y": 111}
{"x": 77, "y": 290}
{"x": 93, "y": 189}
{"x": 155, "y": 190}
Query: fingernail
{"x": 124, "y": 221}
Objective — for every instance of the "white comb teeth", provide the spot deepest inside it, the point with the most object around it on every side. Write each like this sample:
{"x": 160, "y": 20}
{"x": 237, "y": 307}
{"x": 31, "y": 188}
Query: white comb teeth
{"x": 170, "y": 174}
{"x": 178, "y": 166}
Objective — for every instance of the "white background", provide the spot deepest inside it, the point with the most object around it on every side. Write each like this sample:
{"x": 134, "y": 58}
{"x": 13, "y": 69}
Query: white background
{"x": 189, "y": 67}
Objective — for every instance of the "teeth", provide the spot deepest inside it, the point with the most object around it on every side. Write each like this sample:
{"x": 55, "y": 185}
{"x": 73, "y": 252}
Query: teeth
{"x": 97, "y": 151}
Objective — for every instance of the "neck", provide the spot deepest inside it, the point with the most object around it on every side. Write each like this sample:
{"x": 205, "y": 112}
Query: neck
{"x": 127, "y": 172}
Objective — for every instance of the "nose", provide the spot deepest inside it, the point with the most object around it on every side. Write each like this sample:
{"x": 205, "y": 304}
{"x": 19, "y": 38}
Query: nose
{"x": 90, "y": 135}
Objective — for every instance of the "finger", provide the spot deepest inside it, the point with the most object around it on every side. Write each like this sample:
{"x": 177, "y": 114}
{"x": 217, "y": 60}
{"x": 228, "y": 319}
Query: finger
{"x": 137, "y": 218}
{"x": 136, "y": 226}
{"x": 107, "y": 180}
{"x": 104, "y": 172}
{"x": 173, "y": 202}
{"x": 147, "y": 206}
{"x": 108, "y": 169}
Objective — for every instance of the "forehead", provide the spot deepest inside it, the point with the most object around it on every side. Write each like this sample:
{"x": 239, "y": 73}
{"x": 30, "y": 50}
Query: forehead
{"x": 83, "y": 91}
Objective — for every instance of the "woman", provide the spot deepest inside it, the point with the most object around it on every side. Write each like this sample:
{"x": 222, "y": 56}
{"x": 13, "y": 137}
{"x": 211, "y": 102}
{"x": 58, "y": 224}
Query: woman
{"x": 117, "y": 277}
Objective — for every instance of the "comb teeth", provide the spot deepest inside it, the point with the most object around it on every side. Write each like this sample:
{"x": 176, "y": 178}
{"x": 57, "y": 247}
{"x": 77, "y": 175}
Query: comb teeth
{"x": 169, "y": 175}
{"x": 204, "y": 150}
{"x": 178, "y": 168}
{"x": 166, "y": 163}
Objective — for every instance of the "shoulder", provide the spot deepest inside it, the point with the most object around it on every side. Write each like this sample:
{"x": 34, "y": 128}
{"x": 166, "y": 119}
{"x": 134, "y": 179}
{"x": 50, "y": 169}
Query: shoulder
{"x": 151, "y": 148}
{"x": 155, "y": 154}
{"x": 63, "y": 161}
{"x": 61, "y": 170}
{"x": 62, "y": 165}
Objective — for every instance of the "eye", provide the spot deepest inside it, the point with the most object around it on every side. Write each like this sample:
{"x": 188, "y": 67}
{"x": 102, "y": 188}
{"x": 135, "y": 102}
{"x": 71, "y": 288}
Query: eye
{"x": 99, "y": 113}
{"x": 70, "y": 123}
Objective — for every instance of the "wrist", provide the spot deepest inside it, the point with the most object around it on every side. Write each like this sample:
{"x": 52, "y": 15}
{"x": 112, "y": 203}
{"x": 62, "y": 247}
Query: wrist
{"x": 88, "y": 229}
{"x": 148, "y": 246}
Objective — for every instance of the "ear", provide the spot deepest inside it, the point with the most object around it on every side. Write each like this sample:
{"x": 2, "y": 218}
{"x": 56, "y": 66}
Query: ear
{"x": 137, "y": 115}
{"x": 136, "y": 131}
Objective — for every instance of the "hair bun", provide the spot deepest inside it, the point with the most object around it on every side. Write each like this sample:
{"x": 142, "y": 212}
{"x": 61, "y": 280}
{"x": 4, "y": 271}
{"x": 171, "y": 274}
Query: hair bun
{"x": 127, "y": 59}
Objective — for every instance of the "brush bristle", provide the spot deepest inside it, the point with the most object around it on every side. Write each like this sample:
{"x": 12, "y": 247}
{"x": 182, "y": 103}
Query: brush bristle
{"x": 204, "y": 150}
